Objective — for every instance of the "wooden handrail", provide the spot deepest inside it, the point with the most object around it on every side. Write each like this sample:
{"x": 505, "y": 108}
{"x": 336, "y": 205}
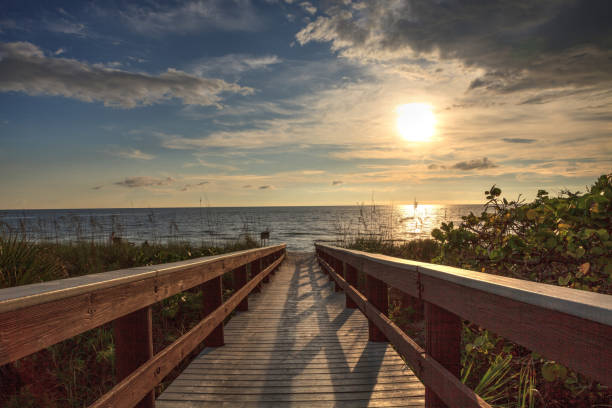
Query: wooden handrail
{"x": 34, "y": 317}
{"x": 570, "y": 326}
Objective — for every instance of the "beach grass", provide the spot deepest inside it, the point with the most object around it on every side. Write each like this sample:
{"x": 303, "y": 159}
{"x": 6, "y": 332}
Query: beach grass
{"x": 75, "y": 372}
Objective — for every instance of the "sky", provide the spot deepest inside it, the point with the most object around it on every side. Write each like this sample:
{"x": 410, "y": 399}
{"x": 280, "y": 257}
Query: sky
{"x": 262, "y": 103}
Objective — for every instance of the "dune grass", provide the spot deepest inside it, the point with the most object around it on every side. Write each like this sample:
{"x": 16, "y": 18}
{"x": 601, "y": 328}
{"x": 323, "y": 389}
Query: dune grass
{"x": 75, "y": 372}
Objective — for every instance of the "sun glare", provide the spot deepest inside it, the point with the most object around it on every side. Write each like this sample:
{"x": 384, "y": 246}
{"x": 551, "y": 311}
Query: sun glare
{"x": 415, "y": 122}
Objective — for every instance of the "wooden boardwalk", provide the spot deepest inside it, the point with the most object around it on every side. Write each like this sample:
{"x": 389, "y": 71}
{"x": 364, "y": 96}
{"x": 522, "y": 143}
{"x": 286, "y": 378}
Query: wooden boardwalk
{"x": 296, "y": 346}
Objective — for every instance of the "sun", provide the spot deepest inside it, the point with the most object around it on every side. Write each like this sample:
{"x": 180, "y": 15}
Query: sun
{"x": 416, "y": 122}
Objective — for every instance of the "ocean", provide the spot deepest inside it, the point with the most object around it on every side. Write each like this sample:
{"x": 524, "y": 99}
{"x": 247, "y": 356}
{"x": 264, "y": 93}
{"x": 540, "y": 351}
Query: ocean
{"x": 299, "y": 227}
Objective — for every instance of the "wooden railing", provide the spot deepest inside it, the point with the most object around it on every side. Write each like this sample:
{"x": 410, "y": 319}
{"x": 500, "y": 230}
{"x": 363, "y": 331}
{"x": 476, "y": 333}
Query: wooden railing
{"x": 572, "y": 327}
{"x": 34, "y": 317}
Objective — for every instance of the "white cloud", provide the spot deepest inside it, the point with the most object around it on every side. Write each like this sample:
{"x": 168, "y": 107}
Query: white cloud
{"x": 235, "y": 64}
{"x": 308, "y": 7}
{"x": 25, "y": 68}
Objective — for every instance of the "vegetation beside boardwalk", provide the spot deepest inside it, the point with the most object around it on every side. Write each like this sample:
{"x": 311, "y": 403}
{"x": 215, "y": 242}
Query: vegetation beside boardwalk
{"x": 77, "y": 371}
{"x": 564, "y": 240}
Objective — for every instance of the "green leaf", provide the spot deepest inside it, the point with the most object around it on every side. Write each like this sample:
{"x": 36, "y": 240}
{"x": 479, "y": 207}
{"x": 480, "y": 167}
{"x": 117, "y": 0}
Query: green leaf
{"x": 564, "y": 280}
{"x": 608, "y": 269}
{"x": 603, "y": 234}
{"x": 548, "y": 372}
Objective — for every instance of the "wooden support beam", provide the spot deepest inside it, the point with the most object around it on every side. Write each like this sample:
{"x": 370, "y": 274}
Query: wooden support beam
{"x": 337, "y": 265}
{"x": 212, "y": 296}
{"x": 240, "y": 279}
{"x": 255, "y": 269}
{"x": 431, "y": 373}
{"x": 376, "y": 293}
{"x": 133, "y": 337}
{"x": 130, "y": 390}
{"x": 443, "y": 343}
{"x": 350, "y": 274}
{"x": 267, "y": 261}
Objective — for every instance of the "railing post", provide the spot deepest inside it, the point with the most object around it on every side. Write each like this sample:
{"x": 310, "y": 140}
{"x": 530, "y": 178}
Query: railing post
{"x": 328, "y": 260}
{"x": 133, "y": 336}
{"x": 212, "y": 296}
{"x": 240, "y": 279}
{"x": 255, "y": 269}
{"x": 269, "y": 261}
{"x": 443, "y": 344}
{"x": 377, "y": 294}
{"x": 275, "y": 256}
{"x": 350, "y": 274}
{"x": 337, "y": 265}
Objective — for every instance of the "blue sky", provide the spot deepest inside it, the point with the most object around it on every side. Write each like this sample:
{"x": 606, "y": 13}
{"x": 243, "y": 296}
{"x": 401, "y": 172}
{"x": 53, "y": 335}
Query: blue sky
{"x": 147, "y": 104}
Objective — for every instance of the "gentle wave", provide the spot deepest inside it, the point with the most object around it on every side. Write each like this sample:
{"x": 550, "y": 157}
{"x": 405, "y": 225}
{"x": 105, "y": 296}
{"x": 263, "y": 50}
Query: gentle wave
{"x": 299, "y": 227}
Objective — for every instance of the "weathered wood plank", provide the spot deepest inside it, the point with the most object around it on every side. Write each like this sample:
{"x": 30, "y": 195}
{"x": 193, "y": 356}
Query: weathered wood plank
{"x": 133, "y": 335}
{"x": 54, "y": 311}
{"x": 297, "y": 346}
{"x": 432, "y": 373}
{"x": 129, "y": 391}
{"x": 570, "y": 326}
{"x": 442, "y": 343}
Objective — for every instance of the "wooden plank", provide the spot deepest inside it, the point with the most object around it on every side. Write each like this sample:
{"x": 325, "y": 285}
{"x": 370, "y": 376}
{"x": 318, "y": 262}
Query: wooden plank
{"x": 579, "y": 303}
{"x": 376, "y": 293}
{"x": 350, "y": 273}
{"x": 387, "y": 403}
{"x": 133, "y": 336}
{"x": 50, "y": 314}
{"x": 443, "y": 344}
{"x": 290, "y": 397}
{"x": 580, "y": 344}
{"x": 212, "y": 299}
{"x": 240, "y": 279}
{"x": 431, "y": 373}
{"x": 27, "y": 295}
{"x": 570, "y": 326}
{"x": 272, "y": 357}
{"x": 133, "y": 388}
{"x": 255, "y": 269}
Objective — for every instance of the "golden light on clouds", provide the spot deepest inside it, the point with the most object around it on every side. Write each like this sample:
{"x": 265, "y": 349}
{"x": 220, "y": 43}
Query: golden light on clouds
{"x": 416, "y": 122}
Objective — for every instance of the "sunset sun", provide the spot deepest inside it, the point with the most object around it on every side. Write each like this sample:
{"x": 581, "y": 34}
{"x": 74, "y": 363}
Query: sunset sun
{"x": 415, "y": 122}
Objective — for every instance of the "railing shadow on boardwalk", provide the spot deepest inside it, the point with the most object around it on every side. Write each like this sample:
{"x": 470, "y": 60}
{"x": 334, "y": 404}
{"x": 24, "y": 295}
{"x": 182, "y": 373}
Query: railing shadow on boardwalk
{"x": 569, "y": 326}
{"x": 306, "y": 267}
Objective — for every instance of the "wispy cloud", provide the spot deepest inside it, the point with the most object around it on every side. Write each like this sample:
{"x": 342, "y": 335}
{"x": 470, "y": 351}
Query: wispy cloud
{"x": 135, "y": 182}
{"x": 191, "y": 16}
{"x": 265, "y": 187}
{"x": 196, "y": 186}
{"x": 337, "y": 182}
{"x": 65, "y": 26}
{"x": 477, "y": 164}
{"x": 25, "y": 68}
{"x": 131, "y": 154}
{"x": 518, "y": 140}
{"x": 233, "y": 64}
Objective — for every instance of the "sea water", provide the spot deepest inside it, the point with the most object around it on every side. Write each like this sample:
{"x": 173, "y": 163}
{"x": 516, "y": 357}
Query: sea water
{"x": 299, "y": 227}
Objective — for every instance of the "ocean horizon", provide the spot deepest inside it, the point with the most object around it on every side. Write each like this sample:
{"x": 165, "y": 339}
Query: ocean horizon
{"x": 298, "y": 226}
